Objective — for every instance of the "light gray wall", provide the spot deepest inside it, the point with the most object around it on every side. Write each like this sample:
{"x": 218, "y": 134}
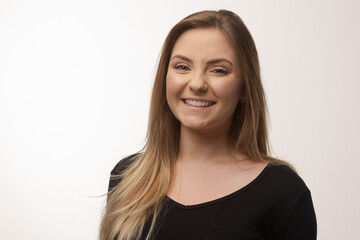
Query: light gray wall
{"x": 75, "y": 81}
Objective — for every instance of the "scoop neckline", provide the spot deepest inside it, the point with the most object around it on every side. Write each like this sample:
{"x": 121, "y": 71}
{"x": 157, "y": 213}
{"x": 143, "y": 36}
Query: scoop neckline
{"x": 224, "y": 198}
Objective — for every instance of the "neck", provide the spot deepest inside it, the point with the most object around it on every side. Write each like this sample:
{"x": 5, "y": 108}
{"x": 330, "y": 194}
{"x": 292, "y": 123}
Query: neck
{"x": 203, "y": 146}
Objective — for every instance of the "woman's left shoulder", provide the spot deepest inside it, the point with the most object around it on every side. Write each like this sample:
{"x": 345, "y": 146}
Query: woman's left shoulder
{"x": 283, "y": 177}
{"x": 292, "y": 198}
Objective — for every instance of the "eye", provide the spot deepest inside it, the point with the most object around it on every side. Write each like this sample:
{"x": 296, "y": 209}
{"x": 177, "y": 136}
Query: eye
{"x": 219, "y": 71}
{"x": 181, "y": 67}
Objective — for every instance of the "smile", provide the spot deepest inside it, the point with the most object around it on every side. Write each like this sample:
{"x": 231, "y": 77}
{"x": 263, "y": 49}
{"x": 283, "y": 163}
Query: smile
{"x": 198, "y": 103}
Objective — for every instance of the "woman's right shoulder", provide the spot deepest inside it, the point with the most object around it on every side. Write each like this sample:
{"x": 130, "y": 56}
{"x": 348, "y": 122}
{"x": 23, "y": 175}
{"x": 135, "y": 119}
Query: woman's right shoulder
{"x": 124, "y": 163}
{"x": 119, "y": 168}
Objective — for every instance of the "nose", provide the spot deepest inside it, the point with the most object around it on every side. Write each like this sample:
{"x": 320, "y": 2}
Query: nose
{"x": 198, "y": 83}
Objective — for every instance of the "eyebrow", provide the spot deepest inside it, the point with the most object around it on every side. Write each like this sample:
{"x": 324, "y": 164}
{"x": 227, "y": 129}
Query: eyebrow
{"x": 212, "y": 61}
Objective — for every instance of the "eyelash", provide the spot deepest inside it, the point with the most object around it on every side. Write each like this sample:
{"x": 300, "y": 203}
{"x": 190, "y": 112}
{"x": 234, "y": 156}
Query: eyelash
{"x": 183, "y": 67}
{"x": 219, "y": 71}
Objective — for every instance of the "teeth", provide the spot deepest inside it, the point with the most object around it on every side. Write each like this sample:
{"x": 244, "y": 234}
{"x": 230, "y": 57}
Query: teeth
{"x": 198, "y": 103}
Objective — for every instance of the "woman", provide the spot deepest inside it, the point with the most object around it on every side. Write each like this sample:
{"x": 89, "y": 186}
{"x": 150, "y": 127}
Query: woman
{"x": 205, "y": 171}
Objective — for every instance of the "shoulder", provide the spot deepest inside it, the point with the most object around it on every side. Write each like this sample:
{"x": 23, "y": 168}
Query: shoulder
{"x": 292, "y": 200}
{"x": 280, "y": 184}
{"x": 120, "y": 167}
{"x": 284, "y": 177}
{"x": 124, "y": 163}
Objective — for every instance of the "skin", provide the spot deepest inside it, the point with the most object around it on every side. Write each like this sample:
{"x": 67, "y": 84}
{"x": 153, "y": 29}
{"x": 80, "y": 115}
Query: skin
{"x": 204, "y": 67}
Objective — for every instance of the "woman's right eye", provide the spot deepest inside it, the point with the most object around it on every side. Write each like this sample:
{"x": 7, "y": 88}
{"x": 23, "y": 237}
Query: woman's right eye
{"x": 181, "y": 67}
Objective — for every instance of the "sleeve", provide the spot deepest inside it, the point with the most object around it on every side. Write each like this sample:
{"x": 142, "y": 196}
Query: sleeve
{"x": 301, "y": 223}
{"x": 121, "y": 166}
{"x": 114, "y": 181}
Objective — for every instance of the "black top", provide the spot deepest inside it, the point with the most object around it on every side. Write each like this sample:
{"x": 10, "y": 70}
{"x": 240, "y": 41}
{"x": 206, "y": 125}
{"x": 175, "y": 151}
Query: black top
{"x": 275, "y": 205}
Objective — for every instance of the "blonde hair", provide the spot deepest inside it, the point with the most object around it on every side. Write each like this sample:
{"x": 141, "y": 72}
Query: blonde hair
{"x": 139, "y": 197}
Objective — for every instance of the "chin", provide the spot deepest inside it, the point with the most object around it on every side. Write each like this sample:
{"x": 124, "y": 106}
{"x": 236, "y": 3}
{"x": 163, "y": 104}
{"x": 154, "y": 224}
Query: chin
{"x": 198, "y": 126}
{"x": 194, "y": 126}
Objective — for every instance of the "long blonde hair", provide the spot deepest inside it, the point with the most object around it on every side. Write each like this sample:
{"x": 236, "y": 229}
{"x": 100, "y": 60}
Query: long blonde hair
{"x": 139, "y": 197}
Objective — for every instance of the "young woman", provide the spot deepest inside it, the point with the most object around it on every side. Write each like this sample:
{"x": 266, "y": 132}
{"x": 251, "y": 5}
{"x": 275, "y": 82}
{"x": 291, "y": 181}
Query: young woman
{"x": 205, "y": 171}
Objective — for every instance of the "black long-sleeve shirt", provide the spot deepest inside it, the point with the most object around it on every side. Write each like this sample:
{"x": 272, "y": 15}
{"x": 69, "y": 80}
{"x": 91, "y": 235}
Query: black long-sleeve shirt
{"x": 275, "y": 205}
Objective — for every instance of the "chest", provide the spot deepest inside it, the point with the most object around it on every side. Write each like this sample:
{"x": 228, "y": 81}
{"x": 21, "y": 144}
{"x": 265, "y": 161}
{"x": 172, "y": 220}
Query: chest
{"x": 226, "y": 219}
{"x": 204, "y": 185}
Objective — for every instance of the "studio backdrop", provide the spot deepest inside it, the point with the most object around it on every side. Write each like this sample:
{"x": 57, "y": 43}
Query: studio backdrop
{"x": 75, "y": 82}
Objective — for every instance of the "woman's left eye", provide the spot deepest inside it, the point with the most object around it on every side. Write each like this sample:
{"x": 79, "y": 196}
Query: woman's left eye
{"x": 219, "y": 70}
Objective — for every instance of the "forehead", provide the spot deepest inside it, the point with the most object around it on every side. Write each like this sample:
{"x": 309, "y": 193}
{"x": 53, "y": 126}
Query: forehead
{"x": 204, "y": 43}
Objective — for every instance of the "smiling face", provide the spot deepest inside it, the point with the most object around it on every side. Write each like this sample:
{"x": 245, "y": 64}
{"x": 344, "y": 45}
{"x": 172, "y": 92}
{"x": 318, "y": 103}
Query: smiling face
{"x": 203, "y": 80}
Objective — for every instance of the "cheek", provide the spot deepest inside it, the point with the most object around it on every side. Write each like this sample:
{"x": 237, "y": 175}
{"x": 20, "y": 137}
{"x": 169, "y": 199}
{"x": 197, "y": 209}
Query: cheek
{"x": 174, "y": 86}
{"x": 229, "y": 91}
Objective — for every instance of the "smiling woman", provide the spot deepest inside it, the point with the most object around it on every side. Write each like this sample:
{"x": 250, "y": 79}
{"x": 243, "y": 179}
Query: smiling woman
{"x": 205, "y": 171}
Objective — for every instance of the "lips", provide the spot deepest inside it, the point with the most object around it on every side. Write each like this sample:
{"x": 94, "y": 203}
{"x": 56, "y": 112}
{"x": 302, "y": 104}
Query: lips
{"x": 198, "y": 103}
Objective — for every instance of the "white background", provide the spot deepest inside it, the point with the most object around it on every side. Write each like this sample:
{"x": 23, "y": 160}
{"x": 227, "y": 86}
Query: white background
{"x": 75, "y": 82}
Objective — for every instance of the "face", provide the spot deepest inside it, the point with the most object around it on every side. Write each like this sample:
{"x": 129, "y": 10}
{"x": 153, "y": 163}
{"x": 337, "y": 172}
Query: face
{"x": 203, "y": 80}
